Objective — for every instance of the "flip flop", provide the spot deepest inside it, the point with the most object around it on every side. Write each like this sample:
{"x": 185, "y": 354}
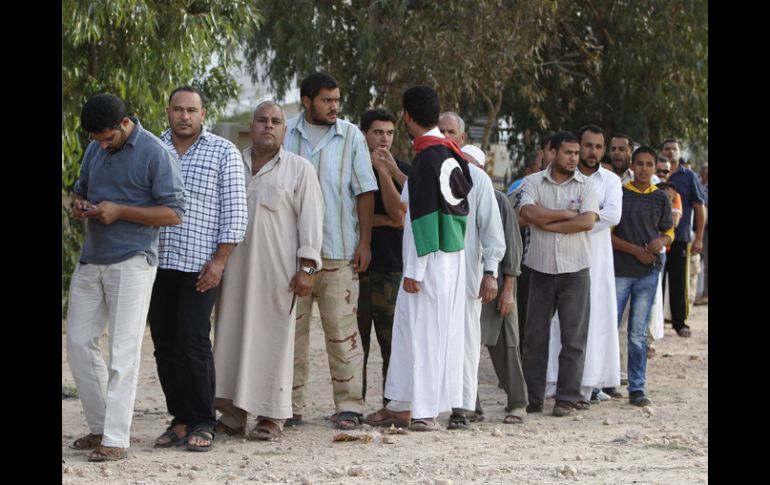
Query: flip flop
{"x": 88, "y": 442}
{"x": 511, "y": 419}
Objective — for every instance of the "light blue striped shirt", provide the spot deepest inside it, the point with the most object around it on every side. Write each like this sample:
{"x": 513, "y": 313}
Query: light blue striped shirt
{"x": 344, "y": 169}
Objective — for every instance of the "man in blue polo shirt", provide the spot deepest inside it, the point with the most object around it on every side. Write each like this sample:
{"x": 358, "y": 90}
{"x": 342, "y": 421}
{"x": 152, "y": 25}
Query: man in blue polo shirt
{"x": 129, "y": 185}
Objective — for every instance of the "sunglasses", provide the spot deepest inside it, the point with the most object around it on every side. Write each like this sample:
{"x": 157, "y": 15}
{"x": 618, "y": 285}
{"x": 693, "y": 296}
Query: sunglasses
{"x": 664, "y": 172}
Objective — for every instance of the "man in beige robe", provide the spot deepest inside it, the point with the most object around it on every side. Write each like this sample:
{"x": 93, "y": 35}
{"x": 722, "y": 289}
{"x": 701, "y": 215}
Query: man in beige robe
{"x": 275, "y": 264}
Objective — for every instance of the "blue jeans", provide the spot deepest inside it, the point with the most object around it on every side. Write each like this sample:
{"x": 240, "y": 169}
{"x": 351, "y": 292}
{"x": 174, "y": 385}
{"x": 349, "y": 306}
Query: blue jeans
{"x": 642, "y": 293}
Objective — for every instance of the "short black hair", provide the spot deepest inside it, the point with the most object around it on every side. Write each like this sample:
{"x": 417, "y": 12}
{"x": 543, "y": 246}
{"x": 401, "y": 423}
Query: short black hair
{"x": 377, "y": 114}
{"x": 622, "y": 135}
{"x": 102, "y": 112}
{"x": 562, "y": 137}
{"x": 592, "y": 129}
{"x": 421, "y": 102}
{"x": 189, "y": 89}
{"x": 314, "y": 83}
{"x": 645, "y": 149}
{"x": 670, "y": 140}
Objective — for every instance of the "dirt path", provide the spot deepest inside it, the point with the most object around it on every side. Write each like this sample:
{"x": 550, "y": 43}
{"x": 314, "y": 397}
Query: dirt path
{"x": 612, "y": 443}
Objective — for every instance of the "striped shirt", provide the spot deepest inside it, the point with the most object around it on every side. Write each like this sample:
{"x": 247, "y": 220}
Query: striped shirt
{"x": 553, "y": 252}
{"x": 344, "y": 169}
{"x": 215, "y": 190}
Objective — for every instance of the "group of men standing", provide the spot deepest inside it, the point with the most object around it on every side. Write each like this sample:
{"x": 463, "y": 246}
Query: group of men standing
{"x": 316, "y": 210}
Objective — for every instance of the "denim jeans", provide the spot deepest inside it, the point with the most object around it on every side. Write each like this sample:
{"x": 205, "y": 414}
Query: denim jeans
{"x": 642, "y": 293}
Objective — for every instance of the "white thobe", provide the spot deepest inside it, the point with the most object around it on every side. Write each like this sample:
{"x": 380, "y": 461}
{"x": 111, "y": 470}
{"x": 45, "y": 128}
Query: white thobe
{"x": 484, "y": 244}
{"x": 426, "y": 355}
{"x": 602, "y": 361}
{"x": 254, "y": 330}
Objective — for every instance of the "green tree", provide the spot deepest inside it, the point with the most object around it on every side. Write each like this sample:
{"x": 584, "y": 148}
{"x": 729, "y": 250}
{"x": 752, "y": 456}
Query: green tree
{"x": 140, "y": 50}
{"x": 377, "y": 49}
{"x": 639, "y": 68}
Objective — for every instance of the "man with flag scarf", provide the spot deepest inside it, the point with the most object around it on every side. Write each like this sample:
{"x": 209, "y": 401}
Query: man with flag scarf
{"x": 425, "y": 371}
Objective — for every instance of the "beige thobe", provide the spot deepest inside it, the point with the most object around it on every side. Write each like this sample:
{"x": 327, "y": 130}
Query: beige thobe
{"x": 254, "y": 330}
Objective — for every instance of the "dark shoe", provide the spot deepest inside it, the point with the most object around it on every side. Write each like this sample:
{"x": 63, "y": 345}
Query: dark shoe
{"x": 684, "y": 332}
{"x": 458, "y": 421}
{"x": 295, "y": 420}
{"x": 534, "y": 408}
{"x": 563, "y": 408}
{"x": 613, "y": 392}
{"x": 637, "y": 398}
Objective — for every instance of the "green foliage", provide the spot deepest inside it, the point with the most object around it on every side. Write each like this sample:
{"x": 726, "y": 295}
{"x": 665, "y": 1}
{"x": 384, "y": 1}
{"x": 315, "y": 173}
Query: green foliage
{"x": 377, "y": 49}
{"x": 140, "y": 50}
{"x": 630, "y": 66}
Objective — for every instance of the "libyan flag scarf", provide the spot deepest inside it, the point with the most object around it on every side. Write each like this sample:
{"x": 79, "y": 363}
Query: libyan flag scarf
{"x": 438, "y": 188}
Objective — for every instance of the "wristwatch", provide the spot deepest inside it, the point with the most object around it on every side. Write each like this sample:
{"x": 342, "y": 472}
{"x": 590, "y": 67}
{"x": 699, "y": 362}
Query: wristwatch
{"x": 308, "y": 269}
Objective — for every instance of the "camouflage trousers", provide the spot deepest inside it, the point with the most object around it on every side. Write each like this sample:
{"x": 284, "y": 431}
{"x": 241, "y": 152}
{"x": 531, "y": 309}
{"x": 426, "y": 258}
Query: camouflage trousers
{"x": 336, "y": 290}
{"x": 377, "y": 303}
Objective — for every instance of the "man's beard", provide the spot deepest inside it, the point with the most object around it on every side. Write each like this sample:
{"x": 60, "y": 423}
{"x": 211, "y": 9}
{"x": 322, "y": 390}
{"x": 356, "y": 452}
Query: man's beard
{"x": 319, "y": 120}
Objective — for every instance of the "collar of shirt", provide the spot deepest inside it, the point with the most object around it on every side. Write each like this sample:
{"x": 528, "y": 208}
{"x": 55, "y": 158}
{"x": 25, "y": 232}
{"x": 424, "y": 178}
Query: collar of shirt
{"x": 131, "y": 140}
{"x": 202, "y": 137}
{"x": 301, "y": 127}
{"x": 630, "y": 186}
{"x": 246, "y": 153}
{"x": 576, "y": 176}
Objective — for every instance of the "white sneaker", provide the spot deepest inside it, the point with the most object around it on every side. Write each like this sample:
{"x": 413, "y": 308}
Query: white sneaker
{"x": 602, "y": 396}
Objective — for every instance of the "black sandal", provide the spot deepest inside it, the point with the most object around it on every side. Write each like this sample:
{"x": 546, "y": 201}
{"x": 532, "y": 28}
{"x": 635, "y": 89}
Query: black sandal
{"x": 347, "y": 416}
{"x": 202, "y": 431}
{"x": 173, "y": 439}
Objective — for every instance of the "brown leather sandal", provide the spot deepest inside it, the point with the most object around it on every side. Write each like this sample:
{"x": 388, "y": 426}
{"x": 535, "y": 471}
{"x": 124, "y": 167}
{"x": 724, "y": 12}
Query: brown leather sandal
{"x": 88, "y": 442}
{"x": 108, "y": 453}
{"x": 265, "y": 430}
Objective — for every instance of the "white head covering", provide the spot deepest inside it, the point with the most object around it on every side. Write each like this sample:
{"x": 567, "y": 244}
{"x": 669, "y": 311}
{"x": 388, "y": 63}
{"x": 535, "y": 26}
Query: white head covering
{"x": 476, "y": 152}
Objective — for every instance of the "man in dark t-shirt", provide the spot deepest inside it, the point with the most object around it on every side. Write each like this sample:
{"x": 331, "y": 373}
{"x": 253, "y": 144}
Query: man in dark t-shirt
{"x": 379, "y": 285}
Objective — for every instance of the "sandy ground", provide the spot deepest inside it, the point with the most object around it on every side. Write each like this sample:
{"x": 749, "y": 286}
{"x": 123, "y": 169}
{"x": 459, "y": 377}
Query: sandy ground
{"x": 611, "y": 443}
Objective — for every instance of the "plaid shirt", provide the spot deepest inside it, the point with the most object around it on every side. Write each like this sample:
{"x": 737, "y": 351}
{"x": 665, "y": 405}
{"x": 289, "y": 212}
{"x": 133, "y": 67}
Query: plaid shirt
{"x": 215, "y": 191}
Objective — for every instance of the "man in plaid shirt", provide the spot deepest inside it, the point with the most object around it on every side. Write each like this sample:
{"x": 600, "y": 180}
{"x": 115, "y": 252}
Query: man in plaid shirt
{"x": 192, "y": 260}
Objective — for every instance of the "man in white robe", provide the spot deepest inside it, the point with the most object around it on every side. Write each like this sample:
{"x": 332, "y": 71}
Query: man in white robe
{"x": 275, "y": 264}
{"x": 424, "y": 375}
{"x": 602, "y": 360}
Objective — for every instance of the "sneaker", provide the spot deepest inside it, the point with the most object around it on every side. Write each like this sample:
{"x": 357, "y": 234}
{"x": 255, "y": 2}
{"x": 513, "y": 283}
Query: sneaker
{"x": 562, "y": 408}
{"x": 637, "y": 398}
{"x": 602, "y": 396}
{"x": 534, "y": 408}
{"x": 613, "y": 392}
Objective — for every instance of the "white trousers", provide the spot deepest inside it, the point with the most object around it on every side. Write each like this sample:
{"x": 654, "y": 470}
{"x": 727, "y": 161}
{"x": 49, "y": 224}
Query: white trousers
{"x": 472, "y": 352}
{"x": 116, "y": 295}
